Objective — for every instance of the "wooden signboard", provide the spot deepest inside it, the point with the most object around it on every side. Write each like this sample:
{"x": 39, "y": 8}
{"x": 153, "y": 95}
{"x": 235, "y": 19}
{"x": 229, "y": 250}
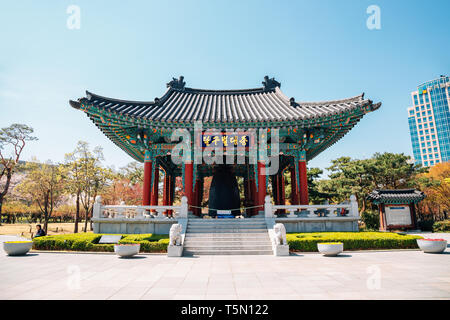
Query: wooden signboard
{"x": 398, "y": 215}
{"x": 110, "y": 238}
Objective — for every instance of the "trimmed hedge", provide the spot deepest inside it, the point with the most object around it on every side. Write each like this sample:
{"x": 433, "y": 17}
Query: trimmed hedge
{"x": 307, "y": 242}
{"x": 89, "y": 242}
{"x": 441, "y": 226}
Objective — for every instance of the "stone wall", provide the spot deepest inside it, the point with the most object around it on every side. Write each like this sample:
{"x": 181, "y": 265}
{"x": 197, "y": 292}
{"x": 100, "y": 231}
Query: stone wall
{"x": 127, "y": 226}
{"x": 323, "y": 224}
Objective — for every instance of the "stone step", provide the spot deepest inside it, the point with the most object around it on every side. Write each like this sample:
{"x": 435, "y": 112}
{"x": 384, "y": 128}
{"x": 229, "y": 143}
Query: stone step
{"x": 226, "y": 248}
{"x": 217, "y": 227}
{"x": 227, "y": 252}
{"x": 226, "y": 223}
{"x": 227, "y": 220}
{"x": 231, "y": 226}
{"x": 228, "y": 245}
{"x": 227, "y": 235}
{"x": 226, "y": 241}
{"x": 227, "y": 230}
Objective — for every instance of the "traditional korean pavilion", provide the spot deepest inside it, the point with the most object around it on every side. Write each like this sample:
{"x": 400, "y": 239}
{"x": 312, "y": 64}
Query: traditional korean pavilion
{"x": 143, "y": 130}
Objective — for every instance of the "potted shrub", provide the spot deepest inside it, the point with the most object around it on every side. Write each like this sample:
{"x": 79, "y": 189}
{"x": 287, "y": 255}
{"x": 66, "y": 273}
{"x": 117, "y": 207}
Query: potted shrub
{"x": 432, "y": 245}
{"x": 127, "y": 250}
{"x": 330, "y": 249}
{"x": 17, "y": 248}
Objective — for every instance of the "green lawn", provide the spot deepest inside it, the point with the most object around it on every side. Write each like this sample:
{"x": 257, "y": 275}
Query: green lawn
{"x": 307, "y": 242}
{"x": 89, "y": 242}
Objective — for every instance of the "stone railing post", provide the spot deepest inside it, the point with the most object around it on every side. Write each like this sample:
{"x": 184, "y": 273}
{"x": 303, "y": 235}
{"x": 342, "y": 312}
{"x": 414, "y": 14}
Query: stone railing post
{"x": 268, "y": 211}
{"x": 354, "y": 206}
{"x": 184, "y": 207}
{"x": 97, "y": 207}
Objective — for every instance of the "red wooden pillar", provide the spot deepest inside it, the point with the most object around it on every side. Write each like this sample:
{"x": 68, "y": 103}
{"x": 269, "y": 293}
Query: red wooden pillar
{"x": 282, "y": 190}
{"x": 304, "y": 198}
{"x": 294, "y": 189}
{"x": 147, "y": 180}
{"x": 155, "y": 185}
{"x": 196, "y": 198}
{"x": 188, "y": 179}
{"x": 261, "y": 186}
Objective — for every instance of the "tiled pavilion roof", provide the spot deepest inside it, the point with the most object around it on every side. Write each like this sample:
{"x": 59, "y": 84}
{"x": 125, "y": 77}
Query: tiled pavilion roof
{"x": 265, "y": 107}
{"x": 185, "y": 105}
{"x": 400, "y": 196}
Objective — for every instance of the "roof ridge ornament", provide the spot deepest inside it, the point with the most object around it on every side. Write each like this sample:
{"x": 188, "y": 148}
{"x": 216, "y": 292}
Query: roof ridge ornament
{"x": 293, "y": 103}
{"x": 270, "y": 83}
{"x": 177, "y": 83}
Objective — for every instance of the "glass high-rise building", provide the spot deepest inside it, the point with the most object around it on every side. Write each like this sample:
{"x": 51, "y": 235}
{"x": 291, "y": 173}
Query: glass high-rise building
{"x": 429, "y": 122}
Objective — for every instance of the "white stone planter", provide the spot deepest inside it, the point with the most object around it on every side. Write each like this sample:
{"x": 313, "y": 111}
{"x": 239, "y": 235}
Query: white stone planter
{"x": 330, "y": 249}
{"x": 17, "y": 248}
{"x": 432, "y": 245}
{"x": 127, "y": 250}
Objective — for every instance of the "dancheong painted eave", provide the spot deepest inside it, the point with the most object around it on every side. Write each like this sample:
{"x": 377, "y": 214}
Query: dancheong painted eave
{"x": 181, "y": 106}
{"x": 263, "y": 107}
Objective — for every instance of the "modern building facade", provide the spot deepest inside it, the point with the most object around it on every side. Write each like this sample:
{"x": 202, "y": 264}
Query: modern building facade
{"x": 429, "y": 122}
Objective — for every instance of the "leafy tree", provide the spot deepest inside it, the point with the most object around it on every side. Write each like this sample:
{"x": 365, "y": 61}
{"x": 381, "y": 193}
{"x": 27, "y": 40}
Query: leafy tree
{"x": 92, "y": 175}
{"x": 74, "y": 182}
{"x": 122, "y": 189}
{"x": 44, "y": 186}
{"x": 315, "y": 195}
{"x": 134, "y": 172}
{"x": 349, "y": 177}
{"x": 12, "y": 140}
{"x": 359, "y": 177}
{"x": 393, "y": 170}
{"x": 436, "y": 186}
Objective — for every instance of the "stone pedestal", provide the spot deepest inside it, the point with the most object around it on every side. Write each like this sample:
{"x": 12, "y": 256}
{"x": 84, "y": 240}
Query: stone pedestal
{"x": 174, "y": 251}
{"x": 281, "y": 250}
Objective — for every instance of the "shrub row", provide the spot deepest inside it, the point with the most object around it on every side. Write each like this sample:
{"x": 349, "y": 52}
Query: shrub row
{"x": 307, "y": 242}
{"x": 441, "y": 226}
{"x": 89, "y": 242}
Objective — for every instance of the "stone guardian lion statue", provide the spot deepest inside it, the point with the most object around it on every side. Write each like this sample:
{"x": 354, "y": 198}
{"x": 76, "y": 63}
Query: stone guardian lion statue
{"x": 175, "y": 235}
{"x": 280, "y": 234}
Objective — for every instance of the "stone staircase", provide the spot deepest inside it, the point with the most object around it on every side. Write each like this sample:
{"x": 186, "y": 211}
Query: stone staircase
{"x": 227, "y": 237}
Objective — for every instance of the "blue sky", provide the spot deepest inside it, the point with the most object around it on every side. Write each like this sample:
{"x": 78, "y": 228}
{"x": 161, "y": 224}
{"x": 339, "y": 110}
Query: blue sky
{"x": 318, "y": 50}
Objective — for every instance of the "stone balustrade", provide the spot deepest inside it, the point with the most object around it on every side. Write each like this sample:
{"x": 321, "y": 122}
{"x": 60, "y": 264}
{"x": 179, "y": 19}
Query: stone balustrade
{"x": 136, "y": 219}
{"x": 349, "y": 209}
{"x": 311, "y": 218}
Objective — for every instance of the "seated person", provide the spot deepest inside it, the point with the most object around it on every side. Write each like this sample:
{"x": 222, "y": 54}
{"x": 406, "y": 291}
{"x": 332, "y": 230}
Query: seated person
{"x": 40, "y": 232}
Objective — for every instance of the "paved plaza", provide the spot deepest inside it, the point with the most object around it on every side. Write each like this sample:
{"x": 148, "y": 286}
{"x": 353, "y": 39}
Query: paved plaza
{"x": 353, "y": 275}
